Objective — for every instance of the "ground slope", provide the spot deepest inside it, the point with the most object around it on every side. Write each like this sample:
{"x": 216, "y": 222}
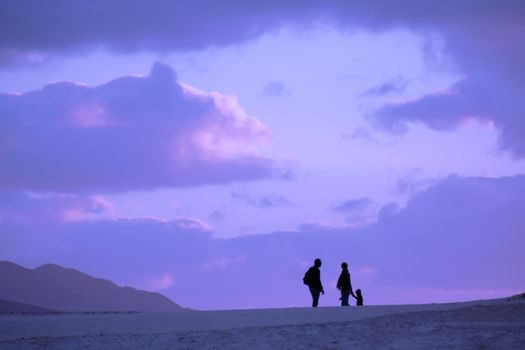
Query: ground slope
{"x": 489, "y": 324}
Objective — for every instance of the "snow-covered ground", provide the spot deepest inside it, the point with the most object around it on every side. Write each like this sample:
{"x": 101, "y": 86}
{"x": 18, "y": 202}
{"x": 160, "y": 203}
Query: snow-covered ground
{"x": 491, "y": 324}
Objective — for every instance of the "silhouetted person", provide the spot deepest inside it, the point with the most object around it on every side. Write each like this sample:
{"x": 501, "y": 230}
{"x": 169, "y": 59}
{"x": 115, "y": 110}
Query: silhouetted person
{"x": 312, "y": 278}
{"x": 344, "y": 285}
{"x": 359, "y": 297}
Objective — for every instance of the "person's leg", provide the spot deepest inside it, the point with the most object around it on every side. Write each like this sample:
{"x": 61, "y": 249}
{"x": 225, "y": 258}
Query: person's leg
{"x": 344, "y": 298}
{"x": 315, "y": 296}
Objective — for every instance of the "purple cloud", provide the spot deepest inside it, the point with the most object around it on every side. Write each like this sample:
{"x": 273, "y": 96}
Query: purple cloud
{"x": 217, "y": 215}
{"x": 24, "y": 207}
{"x": 353, "y": 205}
{"x": 130, "y": 133}
{"x": 490, "y": 64}
{"x": 275, "y": 89}
{"x": 38, "y": 29}
{"x": 360, "y": 134}
{"x": 271, "y": 200}
{"x": 396, "y": 84}
{"x": 482, "y": 39}
{"x": 443, "y": 110}
{"x": 411, "y": 183}
{"x": 356, "y": 210}
{"x": 465, "y": 233}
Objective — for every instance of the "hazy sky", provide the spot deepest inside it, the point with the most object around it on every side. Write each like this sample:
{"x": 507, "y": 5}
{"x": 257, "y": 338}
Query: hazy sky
{"x": 211, "y": 150}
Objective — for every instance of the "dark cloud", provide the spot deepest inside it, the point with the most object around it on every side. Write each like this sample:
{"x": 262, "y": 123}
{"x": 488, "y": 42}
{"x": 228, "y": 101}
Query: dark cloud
{"x": 271, "y": 200}
{"x": 353, "y": 205}
{"x": 444, "y": 110}
{"x": 36, "y": 28}
{"x": 130, "y": 133}
{"x": 133, "y": 25}
{"x": 388, "y": 211}
{"x": 463, "y": 234}
{"x": 464, "y": 228}
{"x": 482, "y": 38}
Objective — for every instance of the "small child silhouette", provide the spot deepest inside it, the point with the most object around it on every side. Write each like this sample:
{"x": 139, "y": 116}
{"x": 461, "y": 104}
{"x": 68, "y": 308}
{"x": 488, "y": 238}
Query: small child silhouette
{"x": 359, "y": 298}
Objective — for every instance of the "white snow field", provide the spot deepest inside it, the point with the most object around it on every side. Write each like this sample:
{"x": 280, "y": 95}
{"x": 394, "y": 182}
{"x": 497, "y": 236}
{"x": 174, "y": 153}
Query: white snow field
{"x": 491, "y": 324}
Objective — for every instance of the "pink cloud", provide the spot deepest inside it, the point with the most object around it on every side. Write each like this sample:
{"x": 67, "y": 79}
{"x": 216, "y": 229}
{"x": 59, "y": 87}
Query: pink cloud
{"x": 130, "y": 133}
{"x": 159, "y": 283}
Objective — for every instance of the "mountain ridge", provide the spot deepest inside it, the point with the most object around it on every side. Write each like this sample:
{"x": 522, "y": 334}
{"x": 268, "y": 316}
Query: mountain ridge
{"x": 66, "y": 289}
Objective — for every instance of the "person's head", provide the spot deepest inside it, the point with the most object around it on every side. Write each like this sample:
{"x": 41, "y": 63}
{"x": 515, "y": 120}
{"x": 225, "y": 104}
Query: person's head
{"x": 344, "y": 266}
{"x": 358, "y": 292}
{"x": 317, "y": 262}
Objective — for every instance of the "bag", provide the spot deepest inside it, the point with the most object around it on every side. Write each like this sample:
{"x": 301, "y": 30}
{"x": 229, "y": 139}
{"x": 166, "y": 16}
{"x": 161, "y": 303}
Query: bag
{"x": 307, "y": 279}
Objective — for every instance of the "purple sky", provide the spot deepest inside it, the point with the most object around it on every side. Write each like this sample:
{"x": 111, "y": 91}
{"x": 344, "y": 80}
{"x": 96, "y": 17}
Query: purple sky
{"x": 211, "y": 150}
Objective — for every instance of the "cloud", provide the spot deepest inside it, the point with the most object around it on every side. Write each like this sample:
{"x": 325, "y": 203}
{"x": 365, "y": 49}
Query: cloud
{"x": 359, "y": 133}
{"x": 128, "y": 134}
{"x": 444, "y": 110}
{"x": 189, "y": 224}
{"x": 483, "y": 40}
{"x": 222, "y": 263}
{"x": 358, "y": 211}
{"x": 271, "y": 200}
{"x": 394, "y": 85}
{"x": 388, "y": 211}
{"x": 494, "y": 103}
{"x": 29, "y": 207}
{"x": 353, "y": 205}
{"x": 158, "y": 283}
{"x": 322, "y": 227}
{"x": 275, "y": 89}
{"x": 490, "y": 63}
{"x": 460, "y": 228}
{"x": 411, "y": 183}
{"x": 217, "y": 215}
{"x": 137, "y": 25}
{"x": 459, "y": 234}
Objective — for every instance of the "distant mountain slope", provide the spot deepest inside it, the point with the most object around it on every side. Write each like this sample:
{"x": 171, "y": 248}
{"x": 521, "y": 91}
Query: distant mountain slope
{"x": 13, "y": 306}
{"x": 55, "y": 287}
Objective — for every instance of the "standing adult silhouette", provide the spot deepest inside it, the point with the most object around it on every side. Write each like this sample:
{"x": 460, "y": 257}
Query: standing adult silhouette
{"x": 344, "y": 285}
{"x": 312, "y": 279}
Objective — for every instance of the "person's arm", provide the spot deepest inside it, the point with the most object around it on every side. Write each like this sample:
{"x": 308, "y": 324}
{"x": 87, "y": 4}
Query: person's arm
{"x": 320, "y": 284}
{"x": 350, "y": 286}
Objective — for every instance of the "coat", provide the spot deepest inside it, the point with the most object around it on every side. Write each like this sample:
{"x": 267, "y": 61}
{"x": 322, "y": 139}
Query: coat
{"x": 343, "y": 283}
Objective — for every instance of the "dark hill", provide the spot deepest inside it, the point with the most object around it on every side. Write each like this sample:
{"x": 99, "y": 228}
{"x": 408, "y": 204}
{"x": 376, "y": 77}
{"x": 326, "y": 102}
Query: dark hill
{"x": 7, "y": 306}
{"x": 55, "y": 287}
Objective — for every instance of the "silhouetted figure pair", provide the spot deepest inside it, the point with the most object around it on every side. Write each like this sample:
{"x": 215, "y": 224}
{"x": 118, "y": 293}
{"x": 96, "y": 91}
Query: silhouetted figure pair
{"x": 312, "y": 278}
